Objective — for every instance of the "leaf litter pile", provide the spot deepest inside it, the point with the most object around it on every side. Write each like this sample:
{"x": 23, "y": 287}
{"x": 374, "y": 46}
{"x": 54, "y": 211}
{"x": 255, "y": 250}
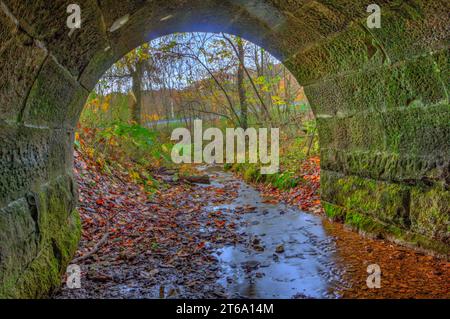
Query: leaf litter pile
{"x": 136, "y": 246}
{"x": 306, "y": 195}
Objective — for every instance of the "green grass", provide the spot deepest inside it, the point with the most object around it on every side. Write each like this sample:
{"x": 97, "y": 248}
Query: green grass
{"x": 293, "y": 152}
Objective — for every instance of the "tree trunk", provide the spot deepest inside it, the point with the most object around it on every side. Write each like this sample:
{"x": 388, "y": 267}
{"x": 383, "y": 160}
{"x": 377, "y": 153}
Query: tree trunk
{"x": 136, "y": 107}
{"x": 241, "y": 84}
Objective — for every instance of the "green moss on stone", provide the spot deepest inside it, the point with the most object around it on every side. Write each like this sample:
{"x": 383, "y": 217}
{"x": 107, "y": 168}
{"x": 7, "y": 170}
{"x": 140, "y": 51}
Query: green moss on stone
{"x": 387, "y": 201}
{"x": 57, "y": 232}
{"x": 352, "y": 49}
{"x": 413, "y": 28}
{"x": 414, "y": 82}
{"x": 430, "y": 213}
{"x": 369, "y": 225}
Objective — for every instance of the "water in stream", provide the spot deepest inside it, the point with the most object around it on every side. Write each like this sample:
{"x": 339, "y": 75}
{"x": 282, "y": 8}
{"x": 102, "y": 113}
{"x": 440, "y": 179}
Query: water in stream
{"x": 256, "y": 270}
{"x": 292, "y": 253}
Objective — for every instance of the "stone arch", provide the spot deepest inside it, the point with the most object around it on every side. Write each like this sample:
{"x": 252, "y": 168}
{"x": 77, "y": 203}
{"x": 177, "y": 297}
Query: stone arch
{"x": 381, "y": 97}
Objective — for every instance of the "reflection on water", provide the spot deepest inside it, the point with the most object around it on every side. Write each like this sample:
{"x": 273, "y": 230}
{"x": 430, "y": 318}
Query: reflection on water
{"x": 318, "y": 258}
{"x": 303, "y": 265}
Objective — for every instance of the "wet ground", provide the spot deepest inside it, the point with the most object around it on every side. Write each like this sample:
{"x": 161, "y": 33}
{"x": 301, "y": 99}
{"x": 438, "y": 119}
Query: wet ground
{"x": 287, "y": 253}
{"x": 249, "y": 248}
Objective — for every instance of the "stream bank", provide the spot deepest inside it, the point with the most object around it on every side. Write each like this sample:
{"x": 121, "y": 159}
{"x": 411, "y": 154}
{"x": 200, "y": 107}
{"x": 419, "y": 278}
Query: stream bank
{"x": 225, "y": 241}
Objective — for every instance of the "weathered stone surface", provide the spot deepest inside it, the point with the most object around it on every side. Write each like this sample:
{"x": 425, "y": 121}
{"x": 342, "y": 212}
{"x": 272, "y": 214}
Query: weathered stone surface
{"x": 419, "y": 81}
{"x": 350, "y": 50}
{"x": 113, "y": 10}
{"x": 364, "y": 131}
{"x": 418, "y": 130}
{"x": 39, "y": 234}
{"x": 430, "y": 213}
{"x": 413, "y": 28}
{"x": 30, "y": 156}
{"x": 7, "y": 29}
{"x": 381, "y": 97}
{"x": 47, "y": 21}
{"x": 442, "y": 67}
{"x": 388, "y": 202}
{"x": 19, "y": 238}
{"x": 417, "y": 216}
{"x": 402, "y": 168}
{"x": 20, "y": 61}
{"x": 311, "y": 22}
{"x": 56, "y": 108}
{"x": 399, "y": 131}
{"x": 99, "y": 64}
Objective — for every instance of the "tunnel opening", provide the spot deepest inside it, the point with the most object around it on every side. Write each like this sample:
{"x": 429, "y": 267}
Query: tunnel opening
{"x": 217, "y": 78}
{"x": 182, "y": 78}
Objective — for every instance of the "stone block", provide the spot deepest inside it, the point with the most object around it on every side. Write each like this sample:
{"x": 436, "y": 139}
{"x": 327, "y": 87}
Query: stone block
{"x": 430, "y": 213}
{"x": 59, "y": 106}
{"x": 47, "y": 22}
{"x": 20, "y": 63}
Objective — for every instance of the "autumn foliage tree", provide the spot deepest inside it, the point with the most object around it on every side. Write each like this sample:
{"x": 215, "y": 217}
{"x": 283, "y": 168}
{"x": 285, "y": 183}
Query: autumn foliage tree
{"x": 206, "y": 75}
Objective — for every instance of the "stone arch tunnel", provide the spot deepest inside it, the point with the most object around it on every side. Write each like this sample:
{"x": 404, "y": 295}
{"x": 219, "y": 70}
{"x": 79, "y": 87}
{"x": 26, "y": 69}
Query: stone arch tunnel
{"x": 381, "y": 98}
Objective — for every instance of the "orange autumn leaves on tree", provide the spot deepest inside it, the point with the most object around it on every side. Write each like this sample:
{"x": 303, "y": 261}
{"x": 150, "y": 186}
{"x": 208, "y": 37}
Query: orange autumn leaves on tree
{"x": 99, "y": 104}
